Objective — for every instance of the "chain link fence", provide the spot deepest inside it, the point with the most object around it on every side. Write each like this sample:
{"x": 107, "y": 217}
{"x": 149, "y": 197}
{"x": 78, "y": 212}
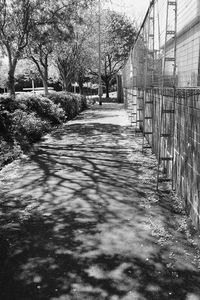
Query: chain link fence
{"x": 163, "y": 68}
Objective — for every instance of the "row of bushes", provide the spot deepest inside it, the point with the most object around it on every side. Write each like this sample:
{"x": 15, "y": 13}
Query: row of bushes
{"x": 26, "y": 119}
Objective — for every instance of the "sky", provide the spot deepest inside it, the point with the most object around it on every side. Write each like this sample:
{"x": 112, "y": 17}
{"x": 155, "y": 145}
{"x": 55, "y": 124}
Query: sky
{"x": 135, "y": 9}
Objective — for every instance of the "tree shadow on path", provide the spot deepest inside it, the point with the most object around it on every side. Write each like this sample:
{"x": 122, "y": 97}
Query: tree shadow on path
{"x": 81, "y": 220}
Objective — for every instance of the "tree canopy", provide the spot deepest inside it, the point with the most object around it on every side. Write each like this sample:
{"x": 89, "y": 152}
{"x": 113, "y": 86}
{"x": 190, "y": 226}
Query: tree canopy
{"x": 17, "y": 18}
{"x": 64, "y": 33}
{"x": 36, "y": 25}
{"x": 117, "y": 37}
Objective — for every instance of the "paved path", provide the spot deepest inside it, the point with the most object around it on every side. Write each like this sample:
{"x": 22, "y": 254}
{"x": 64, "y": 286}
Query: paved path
{"x": 80, "y": 220}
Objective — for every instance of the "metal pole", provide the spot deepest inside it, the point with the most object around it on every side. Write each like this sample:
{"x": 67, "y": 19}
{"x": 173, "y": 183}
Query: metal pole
{"x": 100, "y": 87}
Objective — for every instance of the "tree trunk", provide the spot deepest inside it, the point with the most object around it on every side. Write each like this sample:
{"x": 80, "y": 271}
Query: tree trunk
{"x": 43, "y": 70}
{"x": 11, "y": 72}
{"x": 45, "y": 85}
{"x": 11, "y": 82}
{"x": 81, "y": 87}
{"x": 107, "y": 88}
{"x": 45, "y": 77}
{"x": 64, "y": 85}
{"x": 62, "y": 78}
{"x": 120, "y": 97}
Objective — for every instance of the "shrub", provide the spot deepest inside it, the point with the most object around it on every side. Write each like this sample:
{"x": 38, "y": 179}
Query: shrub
{"x": 42, "y": 106}
{"x": 92, "y": 100}
{"x": 27, "y": 128}
{"x": 5, "y": 122}
{"x": 8, "y": 152}
{"x": 6, "y": 103}
{"x": 25, "y": 120}
{"x": 82, "y": 102}
{"x": 72, "y": 104}
{"x": 7, "y": 106}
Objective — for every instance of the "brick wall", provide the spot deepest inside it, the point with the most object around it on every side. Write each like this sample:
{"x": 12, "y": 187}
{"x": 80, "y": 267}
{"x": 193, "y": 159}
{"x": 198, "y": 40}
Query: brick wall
{"x": 186, "y": 129}
{"x": 187, "y": 151}
{"x": 186, "y": 143}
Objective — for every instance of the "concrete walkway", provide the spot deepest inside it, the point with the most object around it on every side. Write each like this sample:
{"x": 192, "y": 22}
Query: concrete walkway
{"x": 80, "y": 219}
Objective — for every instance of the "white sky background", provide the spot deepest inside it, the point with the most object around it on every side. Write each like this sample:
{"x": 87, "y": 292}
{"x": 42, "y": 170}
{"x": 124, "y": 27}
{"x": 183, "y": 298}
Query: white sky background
{"x": 135, "y": 9}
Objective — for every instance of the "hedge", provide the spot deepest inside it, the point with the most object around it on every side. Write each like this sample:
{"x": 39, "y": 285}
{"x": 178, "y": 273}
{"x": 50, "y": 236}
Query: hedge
{"x": 26, "y": 119}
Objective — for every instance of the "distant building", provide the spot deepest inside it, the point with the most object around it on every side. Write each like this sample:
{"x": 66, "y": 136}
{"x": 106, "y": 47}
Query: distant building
{"x": 188, "y": 43}
{"x": 187, "y": 47}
